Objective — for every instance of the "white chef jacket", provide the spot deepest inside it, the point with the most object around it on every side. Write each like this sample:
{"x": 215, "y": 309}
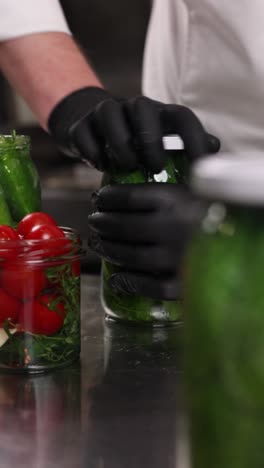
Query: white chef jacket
{"x": 209, "y": 56}
{"x": 20, "y": 17}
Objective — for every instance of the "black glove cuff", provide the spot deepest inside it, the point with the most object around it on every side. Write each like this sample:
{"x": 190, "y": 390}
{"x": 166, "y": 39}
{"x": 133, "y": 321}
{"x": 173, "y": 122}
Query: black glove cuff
{"x": 70, "y": 111}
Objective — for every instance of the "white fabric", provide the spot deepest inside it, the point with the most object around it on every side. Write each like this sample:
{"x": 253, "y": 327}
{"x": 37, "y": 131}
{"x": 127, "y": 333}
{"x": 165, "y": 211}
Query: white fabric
{"x": 209, "y": 56}
{"x": 21, "y": 17}
{"x": 230, "y": 178}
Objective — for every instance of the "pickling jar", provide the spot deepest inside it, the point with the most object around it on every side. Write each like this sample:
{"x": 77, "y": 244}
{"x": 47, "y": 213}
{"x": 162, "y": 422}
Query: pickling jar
{"x": 40, "y": 303}
{"x": 224, "y": 314}
{"x": 138, "y": 309}
{"x": 20, "y": 191}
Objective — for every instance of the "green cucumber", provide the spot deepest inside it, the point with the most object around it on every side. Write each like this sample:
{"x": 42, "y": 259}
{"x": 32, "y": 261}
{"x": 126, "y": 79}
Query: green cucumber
{"x": 18, "y": 176}
{"x": 5, "y": 215}
{"x": 138, "y": 308}
{"x": 176, "y": 170}
{"x": 224, "y": 336}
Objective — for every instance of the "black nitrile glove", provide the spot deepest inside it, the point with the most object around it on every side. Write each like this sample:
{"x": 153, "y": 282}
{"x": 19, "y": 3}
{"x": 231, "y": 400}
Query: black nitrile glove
{"x": 143, "y": 228}
{"x": 107, "y": 132}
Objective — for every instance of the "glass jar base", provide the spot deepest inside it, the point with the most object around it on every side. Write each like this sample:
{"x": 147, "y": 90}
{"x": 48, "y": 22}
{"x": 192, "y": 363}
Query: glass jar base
{"x": 152, "y": 322}
{"x": 140, "y": 311}
{"x": 36, "y": 369}
{"x": 137, "y": 323}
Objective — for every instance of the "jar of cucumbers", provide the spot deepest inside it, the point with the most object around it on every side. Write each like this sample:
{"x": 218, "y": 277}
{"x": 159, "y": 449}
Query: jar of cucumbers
{"x": 20, "y": 192}
{"x": 137, "y": 309}
{"x": 224, "y": 314}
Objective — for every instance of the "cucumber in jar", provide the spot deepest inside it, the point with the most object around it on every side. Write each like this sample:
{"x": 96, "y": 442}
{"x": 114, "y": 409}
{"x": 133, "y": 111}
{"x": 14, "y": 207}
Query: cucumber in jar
{"x": 224, "y": 320}
{"x": 19, "y": 179}
{"x": 140, "y": 309}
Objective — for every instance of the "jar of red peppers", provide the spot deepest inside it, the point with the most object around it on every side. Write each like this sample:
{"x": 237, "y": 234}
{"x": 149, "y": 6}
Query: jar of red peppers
{"x": 39, "y": 299}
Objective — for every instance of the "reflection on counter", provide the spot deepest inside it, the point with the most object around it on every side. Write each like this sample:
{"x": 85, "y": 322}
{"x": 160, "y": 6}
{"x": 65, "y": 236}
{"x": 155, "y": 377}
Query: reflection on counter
{"x": 121, "y": 407}
{"x": 38, "y": 420}
{"x": 135, "y": 419}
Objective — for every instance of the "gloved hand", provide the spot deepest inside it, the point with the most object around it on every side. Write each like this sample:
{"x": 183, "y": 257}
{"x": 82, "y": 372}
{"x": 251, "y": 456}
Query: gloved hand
{"x": 106, "y": 132}
{"x": 143, "y": 228}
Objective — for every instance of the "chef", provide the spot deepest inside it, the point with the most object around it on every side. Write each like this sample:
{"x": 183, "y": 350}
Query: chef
{"x": 203, "y": 69}
{"x": 206, "y": 55}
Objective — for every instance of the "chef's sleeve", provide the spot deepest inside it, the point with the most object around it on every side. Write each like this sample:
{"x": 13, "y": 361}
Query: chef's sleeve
{"x": 22, "y": 17}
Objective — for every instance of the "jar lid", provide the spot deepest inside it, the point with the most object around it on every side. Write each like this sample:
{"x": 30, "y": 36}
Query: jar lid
{"x": 229, "y": 177}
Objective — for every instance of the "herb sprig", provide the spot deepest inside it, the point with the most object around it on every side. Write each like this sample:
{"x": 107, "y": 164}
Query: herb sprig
{"x": 64, "y": 345}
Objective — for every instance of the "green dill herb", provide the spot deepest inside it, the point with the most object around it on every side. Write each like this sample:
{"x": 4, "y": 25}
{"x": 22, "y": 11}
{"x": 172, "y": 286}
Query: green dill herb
{"x": 60, "y": 347}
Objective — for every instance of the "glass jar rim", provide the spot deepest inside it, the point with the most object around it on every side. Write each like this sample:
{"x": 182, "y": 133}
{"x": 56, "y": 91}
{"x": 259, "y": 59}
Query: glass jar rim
{"x": 14, "y": 142}
{"x": 14, "y": 138}
{"x": 43, "y": 252}
{"x": 237, "y": 179}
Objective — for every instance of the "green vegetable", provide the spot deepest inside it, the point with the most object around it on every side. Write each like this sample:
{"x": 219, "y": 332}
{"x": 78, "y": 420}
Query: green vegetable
{"x": 176, "y": 170}
{"x": 5, "y": 215}
{"x": 18, "y": 176}
{"x": 138, "y": 308}
{"x": 225, "y": 342}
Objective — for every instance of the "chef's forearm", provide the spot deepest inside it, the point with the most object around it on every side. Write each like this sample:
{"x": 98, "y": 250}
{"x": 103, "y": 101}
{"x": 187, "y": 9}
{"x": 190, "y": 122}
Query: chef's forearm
{"x": 43, "y": 68}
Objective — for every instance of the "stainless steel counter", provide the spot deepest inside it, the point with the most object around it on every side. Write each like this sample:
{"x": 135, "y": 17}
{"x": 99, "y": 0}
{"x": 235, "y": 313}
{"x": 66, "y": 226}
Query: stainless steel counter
{"x": 120, "y": 407}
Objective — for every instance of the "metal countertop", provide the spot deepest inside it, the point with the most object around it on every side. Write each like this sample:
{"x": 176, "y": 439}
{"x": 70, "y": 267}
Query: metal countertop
{"x": 119, "y": 407}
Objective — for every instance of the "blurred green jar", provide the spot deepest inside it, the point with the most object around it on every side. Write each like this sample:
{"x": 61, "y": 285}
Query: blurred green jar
{"x": 224, "y": 319}
{"x": 138, "y": 309}
{"x": 19, "y": 181}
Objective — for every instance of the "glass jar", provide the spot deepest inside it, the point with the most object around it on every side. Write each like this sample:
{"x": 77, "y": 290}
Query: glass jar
{"x": 20, "y": 192}
{"x": 224, "y": 314}
{"x": 139, "y": 309}
{"x": 40, "y": 303}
